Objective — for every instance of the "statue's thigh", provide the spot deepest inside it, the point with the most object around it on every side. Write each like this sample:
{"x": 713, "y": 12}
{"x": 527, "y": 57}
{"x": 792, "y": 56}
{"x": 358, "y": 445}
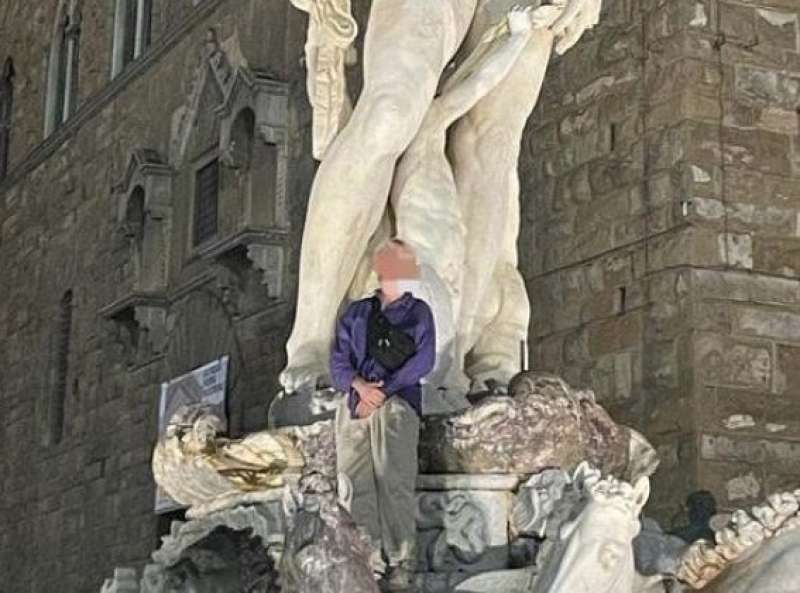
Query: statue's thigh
{"x": 411, "y": 41}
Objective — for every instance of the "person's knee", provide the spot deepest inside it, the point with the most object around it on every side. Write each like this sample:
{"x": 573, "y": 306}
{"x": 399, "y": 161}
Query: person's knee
{"x": 391, "y": 120}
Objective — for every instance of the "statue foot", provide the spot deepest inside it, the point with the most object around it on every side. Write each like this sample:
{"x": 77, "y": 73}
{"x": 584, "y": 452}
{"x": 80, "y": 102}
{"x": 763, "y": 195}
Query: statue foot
{"x": 492, "y": 383}
{"x": 307, "y": 372}
{"x": 496, "y": 386}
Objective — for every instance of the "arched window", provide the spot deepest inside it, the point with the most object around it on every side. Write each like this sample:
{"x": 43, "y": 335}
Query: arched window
{"x": 242, "y": 139}
{"x": 132, "y": 31}
{"x": 134, "y": 227}
{"x": 6, "y": 112}
{"x": 62, "y": 69}
{"x": 62, "y": 338}
{"x": 134, "y": 215}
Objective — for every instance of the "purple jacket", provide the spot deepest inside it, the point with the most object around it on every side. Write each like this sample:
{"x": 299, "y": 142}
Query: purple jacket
{"x": 349, "y": 356}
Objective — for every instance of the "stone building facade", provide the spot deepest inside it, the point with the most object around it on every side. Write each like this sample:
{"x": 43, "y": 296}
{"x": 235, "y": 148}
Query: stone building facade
{"x": 660, "y": 236}
{"x": 151, "y": 216}
{"x": 158, "y": 164}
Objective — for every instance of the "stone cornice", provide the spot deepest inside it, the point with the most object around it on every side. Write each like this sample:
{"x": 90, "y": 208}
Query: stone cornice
{"x": 93, "y": 105}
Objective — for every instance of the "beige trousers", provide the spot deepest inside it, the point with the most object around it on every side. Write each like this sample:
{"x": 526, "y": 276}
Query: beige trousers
{"x": 379, "y": 455}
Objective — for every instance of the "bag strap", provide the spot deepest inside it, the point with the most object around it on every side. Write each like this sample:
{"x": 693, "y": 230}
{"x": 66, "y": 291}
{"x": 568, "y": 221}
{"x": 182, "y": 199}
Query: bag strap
{"x": 375, "y": 320}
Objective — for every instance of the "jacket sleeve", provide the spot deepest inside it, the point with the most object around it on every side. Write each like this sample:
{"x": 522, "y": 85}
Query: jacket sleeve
{"x": 422, "y": 361}
{"x": 342, "y": 370}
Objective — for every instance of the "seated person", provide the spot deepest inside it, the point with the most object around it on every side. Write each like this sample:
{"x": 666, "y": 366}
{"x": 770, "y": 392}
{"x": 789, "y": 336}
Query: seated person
{"x": 377, "y": 426}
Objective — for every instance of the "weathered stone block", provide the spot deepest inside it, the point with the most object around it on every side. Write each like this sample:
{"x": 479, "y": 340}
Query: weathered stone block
{"x": 768, "y": 323}
{"x": 757, "y": 149}
{"x": 787, "y": 371}
{"x": 737, "y": 286}
{"x": 778, "y": 28}
{"x": 777, "y": 256}
{"x": 735, "y": 411}
{"x": 724, "y": 448}
{"x": 743, "y": 185}
{"x": 782, "y": 417}
{"x": 767, "y": 87}
{"x": 662, "y": 366}
{"x": 720, "y": 360}
{"x": 615, "y": 334}
{"x": 673, "y": 248}
{"x": 781, "y": 456}
{"x": 737, "y": 22}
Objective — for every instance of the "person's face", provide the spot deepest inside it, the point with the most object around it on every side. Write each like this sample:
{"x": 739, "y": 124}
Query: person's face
{"x": 394, "y": 265}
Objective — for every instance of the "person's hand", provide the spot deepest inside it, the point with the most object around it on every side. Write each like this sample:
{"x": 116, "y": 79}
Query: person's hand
{"x": 370, "y": 393}
{"x": 364, "y": 410}
{"x": 576, "y": 17}
{"x": 519, "y": 20}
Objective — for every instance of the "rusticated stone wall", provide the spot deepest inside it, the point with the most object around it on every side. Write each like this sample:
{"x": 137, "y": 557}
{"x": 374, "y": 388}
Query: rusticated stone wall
{"x": 660, "y": 236}
{"x": 74, "y": 505}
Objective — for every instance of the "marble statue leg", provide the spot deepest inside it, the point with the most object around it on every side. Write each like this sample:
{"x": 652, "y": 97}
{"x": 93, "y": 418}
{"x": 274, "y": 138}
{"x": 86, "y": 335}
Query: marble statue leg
{"x": 485, "y": 152}
{"x": 407, "y": 45}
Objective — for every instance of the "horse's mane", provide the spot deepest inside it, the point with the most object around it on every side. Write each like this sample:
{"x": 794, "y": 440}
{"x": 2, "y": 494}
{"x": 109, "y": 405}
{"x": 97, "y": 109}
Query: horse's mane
{"x": 703, "y": 561}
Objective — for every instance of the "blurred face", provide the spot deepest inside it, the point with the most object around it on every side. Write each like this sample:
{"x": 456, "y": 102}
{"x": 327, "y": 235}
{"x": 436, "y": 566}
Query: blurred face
{"x": 396, "y": 265}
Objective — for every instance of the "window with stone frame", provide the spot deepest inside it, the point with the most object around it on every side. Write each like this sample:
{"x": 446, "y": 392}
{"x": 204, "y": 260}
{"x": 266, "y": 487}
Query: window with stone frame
{"x": 62, "y": 341}
{"x": 132, "y": 32}
{"x": 206, "y": 202}
{"x": 6, "y": 113}
{"x": 242, "y": 140}
{"x": 134, "y": 228}
{"x": 62, "y": 69}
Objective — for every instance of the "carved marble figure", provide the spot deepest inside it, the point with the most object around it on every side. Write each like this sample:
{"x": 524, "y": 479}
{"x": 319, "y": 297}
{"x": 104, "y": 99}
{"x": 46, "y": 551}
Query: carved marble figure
{"x": 594, "y": 550}
{"x": 424, "y": 197}
{"x": 329, "y": 49}
{"x": 407, "y": 46}
{"x": 757, "y": 552}
{"x": 198, "y": 468}
{"x": 484, "y": 149}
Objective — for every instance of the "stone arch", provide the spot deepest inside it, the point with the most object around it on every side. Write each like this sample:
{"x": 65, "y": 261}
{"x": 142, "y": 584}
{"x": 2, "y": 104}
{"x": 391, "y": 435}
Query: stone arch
{"x": 242, "y": 139}
{"x": 135, "y": 218}
{"x": 144, "y": 212}
{"x": 200, "y": 329}
{"x": 135, "y": 210}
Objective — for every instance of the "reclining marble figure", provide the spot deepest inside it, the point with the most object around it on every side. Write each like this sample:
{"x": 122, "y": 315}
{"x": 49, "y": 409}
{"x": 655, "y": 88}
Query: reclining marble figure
{"x": 200, "y": 469}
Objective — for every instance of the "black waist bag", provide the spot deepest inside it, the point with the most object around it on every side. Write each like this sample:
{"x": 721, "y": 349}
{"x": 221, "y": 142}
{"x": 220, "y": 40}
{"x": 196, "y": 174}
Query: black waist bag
{"x": 385, "y": 343}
